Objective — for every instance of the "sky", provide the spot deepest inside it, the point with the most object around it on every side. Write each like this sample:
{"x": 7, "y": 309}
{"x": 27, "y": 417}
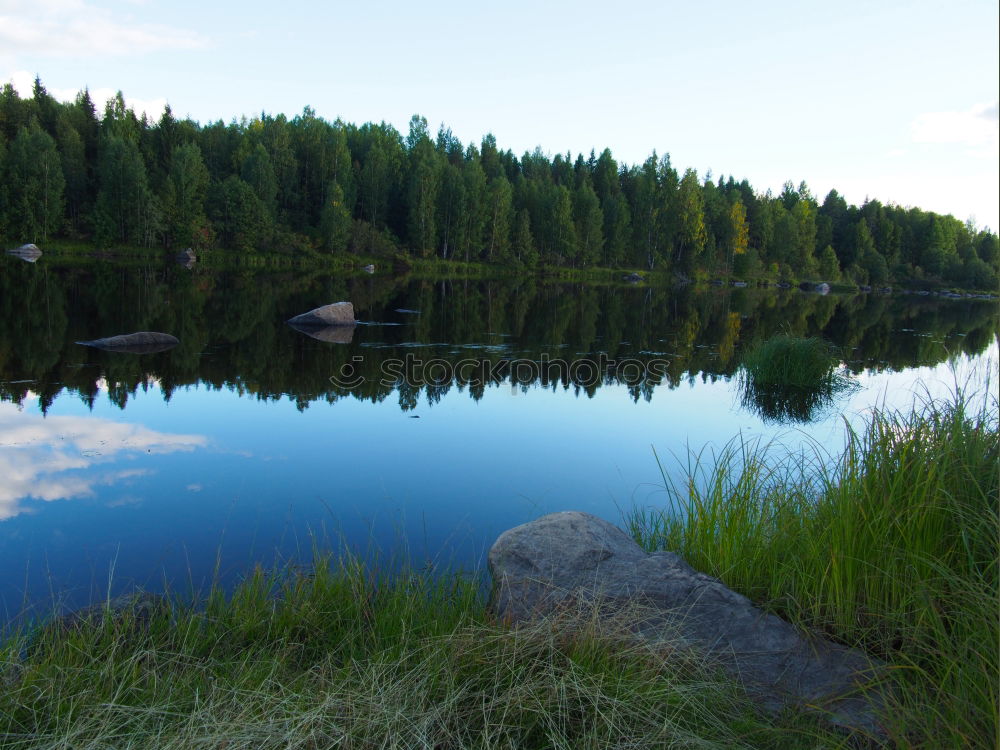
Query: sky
{"x": 895, "y": 101}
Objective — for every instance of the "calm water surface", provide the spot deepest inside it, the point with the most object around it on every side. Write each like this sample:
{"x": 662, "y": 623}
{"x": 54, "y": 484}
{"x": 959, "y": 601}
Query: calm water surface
{"x": 455, "y": 411}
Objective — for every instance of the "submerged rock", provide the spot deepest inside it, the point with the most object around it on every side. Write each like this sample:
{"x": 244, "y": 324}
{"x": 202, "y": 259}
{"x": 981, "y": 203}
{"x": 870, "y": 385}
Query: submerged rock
{"x": 327, "y": 334}
{"x": 334, "y": 314}
{"x": 142, "y": 342}
{"x": 139, "y": 607}
{"x": 564, "y": 560}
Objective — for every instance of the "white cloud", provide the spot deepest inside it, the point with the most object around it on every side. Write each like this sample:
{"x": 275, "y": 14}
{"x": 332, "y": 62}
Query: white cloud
{"x": 23, "y": 81}
{"x": 73, "y": 28}
{"x": 977, "y": 128}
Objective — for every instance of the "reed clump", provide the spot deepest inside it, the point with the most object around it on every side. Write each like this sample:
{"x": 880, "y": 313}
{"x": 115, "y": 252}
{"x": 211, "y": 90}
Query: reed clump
{"x": 787, "y": 378}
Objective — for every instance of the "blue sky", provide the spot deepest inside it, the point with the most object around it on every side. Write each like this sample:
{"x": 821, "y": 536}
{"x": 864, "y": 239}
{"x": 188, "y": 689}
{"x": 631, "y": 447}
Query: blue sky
{"x": 889, "y": 100}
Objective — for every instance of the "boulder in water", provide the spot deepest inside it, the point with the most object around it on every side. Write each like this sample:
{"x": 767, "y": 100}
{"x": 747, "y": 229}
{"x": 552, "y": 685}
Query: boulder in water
{"x": 142, "y": 342}
{"x": 334, "y": 314}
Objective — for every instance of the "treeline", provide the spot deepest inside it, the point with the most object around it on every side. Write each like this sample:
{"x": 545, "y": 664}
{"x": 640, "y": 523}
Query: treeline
{"x": 306, "y": 184}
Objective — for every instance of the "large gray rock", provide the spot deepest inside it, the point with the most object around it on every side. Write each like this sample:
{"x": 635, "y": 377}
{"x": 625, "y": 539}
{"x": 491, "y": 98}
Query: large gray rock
{"x": 564, "y": 560}
{"x": 142, "y": 342}
{"x": 335, "y": 314}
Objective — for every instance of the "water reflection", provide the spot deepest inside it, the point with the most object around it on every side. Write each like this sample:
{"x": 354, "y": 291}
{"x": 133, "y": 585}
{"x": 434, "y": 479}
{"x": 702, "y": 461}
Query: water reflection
{"x": 64, "y": 457}
{"x": 232, "y": 334}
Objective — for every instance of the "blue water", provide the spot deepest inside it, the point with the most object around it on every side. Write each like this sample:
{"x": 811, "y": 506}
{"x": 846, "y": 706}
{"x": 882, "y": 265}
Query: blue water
{"x": 95, "y": 498}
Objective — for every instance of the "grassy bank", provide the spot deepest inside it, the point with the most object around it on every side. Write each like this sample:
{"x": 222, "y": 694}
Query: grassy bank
{"x": 337, "y": 658}
{"x": 892, "y": 548}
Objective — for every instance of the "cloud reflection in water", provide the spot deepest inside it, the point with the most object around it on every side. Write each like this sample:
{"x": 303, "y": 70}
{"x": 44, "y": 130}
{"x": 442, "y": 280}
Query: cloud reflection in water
{"x": 60, "y": 457}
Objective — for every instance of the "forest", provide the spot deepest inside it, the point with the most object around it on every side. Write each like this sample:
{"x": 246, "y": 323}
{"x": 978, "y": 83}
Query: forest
{"x": 304, "y": 185}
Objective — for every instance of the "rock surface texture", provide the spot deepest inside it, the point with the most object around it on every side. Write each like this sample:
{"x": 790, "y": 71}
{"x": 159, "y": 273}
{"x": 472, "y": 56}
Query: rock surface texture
{"x": 335, "y": 314}
{"x": 561, "y": 560}
{"x": 142, "y": 342}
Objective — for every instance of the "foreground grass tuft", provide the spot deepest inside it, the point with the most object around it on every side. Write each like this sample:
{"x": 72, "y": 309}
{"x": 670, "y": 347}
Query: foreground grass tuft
{"x": 892, "y": 548}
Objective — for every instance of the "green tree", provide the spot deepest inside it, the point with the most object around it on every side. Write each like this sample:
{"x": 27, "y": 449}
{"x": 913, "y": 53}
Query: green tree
{"x": 423, "y": 184}
{"x": 829, "y": 266}
{"x": 692, "y": 238}
{"x": 476, "y": 205}
{"x": 499, "y": 202}
{"x": 184, "y": 200}
{"x": 239, "y": 216}
{"x": 451, "y": 209}
{"x": 589, "y": 223}
{"x": 523, "y": 244}
{"x": 335, "y": 222}
{"x": 258, "y": 172}
{"x": 73, "y": 155}
{"x": 617, "y": 230}
{"x": 36, "y": 184}
{"x": 120, "y": 120}
{"x": 739, "y": 229}
{"x": 125, "y": 208}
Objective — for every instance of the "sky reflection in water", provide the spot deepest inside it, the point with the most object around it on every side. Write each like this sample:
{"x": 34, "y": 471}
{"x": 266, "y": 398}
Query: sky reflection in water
{"x": 212, "y": 481}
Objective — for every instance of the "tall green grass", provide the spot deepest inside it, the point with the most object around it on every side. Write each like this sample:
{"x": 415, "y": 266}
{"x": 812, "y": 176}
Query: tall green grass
{"x": 792, "y": 362}
{"x": 893, "y": 548}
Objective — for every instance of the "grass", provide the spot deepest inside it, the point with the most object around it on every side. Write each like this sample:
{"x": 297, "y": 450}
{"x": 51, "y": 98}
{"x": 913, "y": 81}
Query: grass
{"x": 893, "y": 548}
{"x": 334, "y": 657}
{"x": 791, "y": 362}
{"x": 787, "y": 378}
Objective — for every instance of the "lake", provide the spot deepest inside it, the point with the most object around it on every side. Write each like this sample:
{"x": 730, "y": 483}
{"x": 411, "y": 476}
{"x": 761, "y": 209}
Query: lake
{"x": 454, "y": 410}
